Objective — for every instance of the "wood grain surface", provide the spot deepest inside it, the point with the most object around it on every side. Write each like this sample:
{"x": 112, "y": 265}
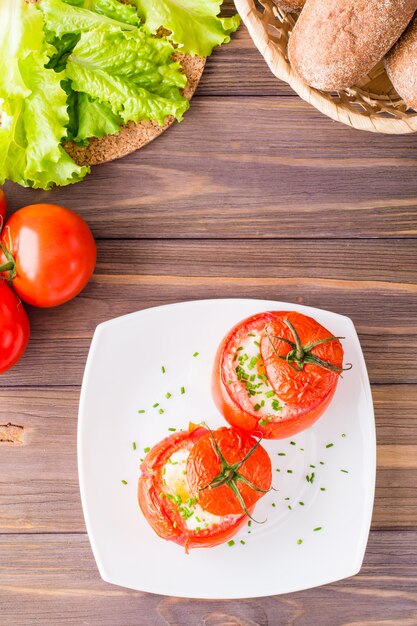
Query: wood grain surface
{"x": 256, "y": 195}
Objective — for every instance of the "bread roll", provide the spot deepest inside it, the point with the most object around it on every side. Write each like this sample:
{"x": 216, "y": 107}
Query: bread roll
{"x": 337, "y": 42}
{"x": 290, "y": 5}
{"x": 401, "y": 64}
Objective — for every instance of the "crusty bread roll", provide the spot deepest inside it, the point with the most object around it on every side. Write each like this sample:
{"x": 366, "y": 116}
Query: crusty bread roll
{"x": 401, "y": 65}
{"x": 337, "y": 42}
{"x": 290, "y": 5}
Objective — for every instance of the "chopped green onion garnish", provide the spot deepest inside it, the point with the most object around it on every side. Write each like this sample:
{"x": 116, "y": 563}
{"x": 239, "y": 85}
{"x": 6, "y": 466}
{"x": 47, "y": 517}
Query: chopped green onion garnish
{"x": 134, "y": 445}
{"x": 345, "y": 471}
{"x": 183, "y": 390}
{"x": 155, "y": 405}
{"x": 321, "y": 462}
{"x": 251, "y": 335}
{"x": 301, "y": 503}
{"x": 287, "y": 498}
{"x": 168, "y": 395}
{"x": 290, "y": 507}
{"x": 231, "y": 543}
{"x": 329, "y": 445}
{"x": 229, "y": 382}
{"x": 318, "y": 528}
{"x": 269, "y": 394}
{"x": 161, "y": 411}
{"x": 313, "y": 466}
{"x": 146, "y": 450}
{"x": 281, "y": 454}
{"x": 343, "y": 434}
{"x": 174, "y": 524}
{"x": 289, "y": 471}
{"x": 300, "y": 541}
{"x": 239, "y": 349}
{"x": 163, "y": 369}
{"x": 256, "y": 407}
{"x": 322, "y": 488}
{"x": 141, "y": 411}
{"x": 292, "y": 443}
{"x": 196, "y": 353}
{"x": 172, "y": 430}
{"x": 242, "y": 542}
{"x": 124, "y": 482}
{"x": 273, "y": 504}
{"x": 250, "y": 523}
{"x": 277, "y": 470}
{"x": 198, "y": 528}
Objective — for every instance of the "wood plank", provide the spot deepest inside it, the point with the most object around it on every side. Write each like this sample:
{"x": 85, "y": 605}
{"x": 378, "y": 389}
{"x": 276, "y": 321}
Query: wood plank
{"x": 342, "y": 259}
{"x": 38, "y": 480}
{"x": 255, "y": 168}
{"x": 384, "y": 314}
{"x": 54, "y": 580}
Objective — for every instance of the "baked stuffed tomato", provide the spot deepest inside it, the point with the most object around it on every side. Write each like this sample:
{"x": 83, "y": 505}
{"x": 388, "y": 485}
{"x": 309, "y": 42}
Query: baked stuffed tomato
{"x": 177, "y": 482}
{"x": 276, "y": 372}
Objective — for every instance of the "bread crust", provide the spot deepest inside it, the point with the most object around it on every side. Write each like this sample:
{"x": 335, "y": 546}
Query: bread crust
{"x": 290, "y": 5}
{"x": 337, "y": 42}
{"x": 401, "y": 65}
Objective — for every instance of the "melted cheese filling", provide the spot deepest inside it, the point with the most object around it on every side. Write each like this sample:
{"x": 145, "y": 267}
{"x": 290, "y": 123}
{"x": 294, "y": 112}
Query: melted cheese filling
{"x": 176, "y": 489}
{"x": 262, "y": 398}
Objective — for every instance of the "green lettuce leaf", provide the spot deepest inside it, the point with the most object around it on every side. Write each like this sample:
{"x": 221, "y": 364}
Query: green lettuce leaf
{"x": 61, "y": 17}
{"x": 131, "y": 72}
{"x": 110, "y": 8}
{"x": 94, "y": 119}
{"x": 33, "y": 104}
{"x": 194, "y": 24}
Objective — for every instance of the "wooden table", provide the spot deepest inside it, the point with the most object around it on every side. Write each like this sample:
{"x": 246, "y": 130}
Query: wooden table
{"x": 255, "y": 195}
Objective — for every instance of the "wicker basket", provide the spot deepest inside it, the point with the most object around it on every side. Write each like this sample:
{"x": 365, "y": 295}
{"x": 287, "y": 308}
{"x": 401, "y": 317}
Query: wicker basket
{"x": 372, "y": 105}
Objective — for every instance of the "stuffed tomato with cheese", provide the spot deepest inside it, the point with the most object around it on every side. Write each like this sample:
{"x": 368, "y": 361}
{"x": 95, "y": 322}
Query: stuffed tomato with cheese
{"x": 276, "y": 372}
{"x": 199, "y": 487}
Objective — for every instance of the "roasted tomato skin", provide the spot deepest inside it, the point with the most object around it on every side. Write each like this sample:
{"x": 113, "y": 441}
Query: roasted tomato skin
{"x": 204, "y": 465}
{"x": 158, "y": 511}
{"x": 301, "y": 409}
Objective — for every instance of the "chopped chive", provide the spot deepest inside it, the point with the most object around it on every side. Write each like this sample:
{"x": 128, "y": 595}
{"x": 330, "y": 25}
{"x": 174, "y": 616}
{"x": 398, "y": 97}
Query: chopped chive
{"x": 256, "y": 407}
{"x": 269, "y": 394}
{"x": 277, "y": 470}
{"x": 313, "y": 466}
{"x": 124, "y": 482}
{"x": 239, "y": 349}
{"x": 249, "y": 532}
{"x": 155, "y": 405}
{"x": 198, "y": 528}
{"x": 196, "y": 354}
{"x": 229, "y": 382}
{"x": 289, "y": 471}
{"x": 182, "y": 390}
{"x": 329, "y": 445}
{"x": 251, "y": 335}
{"x": 141, "y": 411}
{"x": 301, "y": 503}
{"x": 343, "y": 434}
{"x": 174, "y": 524}
{"x": 250, "y": 523}
{"x": 164, "y": 471}
{"x": 290, "y": 507}
{"x": 146, "y": 450}
{"x": 318, "y": 528}
{"x": 287, "y": 498}
{"x": 172, "y": 430}
{"x": 161, "y": 411}
{"x": 231, "y": 543}
{"x": 322, "y": 488}
{"x": 168, "y": 395}
{"x": 163, "y": 369}
{"x": 273, "y": 504}
{"x": 345, "y": 471}
{"x": 321, "y": 462}
{"x": 197, "y": 519}
{"x": 281, "y": 454}
{"x": 302, "y": 449}
{"x": 134, "y": 445}
{"x": 292, "y": 443}
{"x": 242, "y": 542}
{"x": 300, "y": 541}
{"x": 141, "y": 460}
{"x": 256, "y": 343}
{"x": 161, "y": 494}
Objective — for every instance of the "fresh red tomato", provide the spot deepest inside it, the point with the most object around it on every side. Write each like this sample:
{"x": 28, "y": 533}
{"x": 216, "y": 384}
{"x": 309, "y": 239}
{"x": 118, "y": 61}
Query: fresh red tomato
{"x": 50, "y": 254}
{"x": 229, "y": 471}
{"x": 275, "y": 373}
{"x": 14, "y": 328}
{"x": 166, "y": 500}
{"x": 3, "y": 208}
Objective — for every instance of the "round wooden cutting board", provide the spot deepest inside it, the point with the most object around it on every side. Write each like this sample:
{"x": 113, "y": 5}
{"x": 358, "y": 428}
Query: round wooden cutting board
{"x": 134, "y": 136}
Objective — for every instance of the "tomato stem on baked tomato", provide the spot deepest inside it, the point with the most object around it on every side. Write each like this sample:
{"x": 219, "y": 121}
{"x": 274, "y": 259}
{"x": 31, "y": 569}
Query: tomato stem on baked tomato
{"x": 300, "y": 355}
{"x": 229, "y": 475}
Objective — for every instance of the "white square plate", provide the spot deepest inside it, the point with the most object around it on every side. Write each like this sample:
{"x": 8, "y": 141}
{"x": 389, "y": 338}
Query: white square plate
{"x": 124, "y": 375}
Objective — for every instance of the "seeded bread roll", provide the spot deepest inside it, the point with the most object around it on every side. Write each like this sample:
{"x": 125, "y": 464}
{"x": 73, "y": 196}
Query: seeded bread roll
{"x": 337, "y": 42}
{"x": 290, "y": 5}
{"x": 401, "y": 65}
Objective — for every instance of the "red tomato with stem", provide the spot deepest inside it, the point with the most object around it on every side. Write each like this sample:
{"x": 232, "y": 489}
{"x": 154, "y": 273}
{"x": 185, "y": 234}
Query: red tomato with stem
{"x": 14, "y": 328}
{"x": 166, "y": 500}
{"x": 275, "y": 373}
{"x": 229, "y": 471}
{"x": 48, "y": 252}
{"x": 3, "y": 208}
